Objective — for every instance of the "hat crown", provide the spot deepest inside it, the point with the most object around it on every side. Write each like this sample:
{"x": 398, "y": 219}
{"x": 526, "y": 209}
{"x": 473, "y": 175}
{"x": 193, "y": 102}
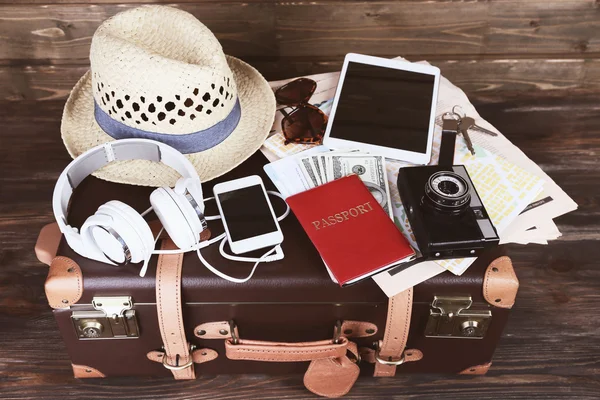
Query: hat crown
{"x": 159, "y": 69}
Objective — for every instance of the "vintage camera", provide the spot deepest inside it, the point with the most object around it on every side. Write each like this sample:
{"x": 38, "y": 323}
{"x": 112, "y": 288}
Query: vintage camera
{"x": 445, "y": 212}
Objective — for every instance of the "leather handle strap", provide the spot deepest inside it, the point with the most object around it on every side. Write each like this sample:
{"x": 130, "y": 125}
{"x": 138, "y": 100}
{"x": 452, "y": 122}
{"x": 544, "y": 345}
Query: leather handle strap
{"x": 391, "y": 348}
{"x": 331, "y": 372}
{"x": 257, "y": 350}
{"x": 221, "y": 329}
{"x": 47, "y": 243}
{"x": 177, "y": 350}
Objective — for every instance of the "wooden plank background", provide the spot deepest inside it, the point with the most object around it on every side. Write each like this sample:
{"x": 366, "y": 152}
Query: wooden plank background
{"x": 531, "y": 67}
{"x": 509, "y": 45}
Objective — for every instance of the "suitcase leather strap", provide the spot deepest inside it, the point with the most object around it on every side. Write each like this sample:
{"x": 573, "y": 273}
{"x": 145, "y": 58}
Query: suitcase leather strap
{"x": 257, "y": 350}
{"x": 390, "y": 352}
{"x": 178, "y": 353}
{"x": 331, "y": 372}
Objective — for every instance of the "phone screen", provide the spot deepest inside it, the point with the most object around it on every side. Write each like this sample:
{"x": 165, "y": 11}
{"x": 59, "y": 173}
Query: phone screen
{"x": 247, "y": 212}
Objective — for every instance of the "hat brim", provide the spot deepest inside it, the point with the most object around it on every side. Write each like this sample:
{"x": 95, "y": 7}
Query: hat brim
{"x": 80, "y": 132}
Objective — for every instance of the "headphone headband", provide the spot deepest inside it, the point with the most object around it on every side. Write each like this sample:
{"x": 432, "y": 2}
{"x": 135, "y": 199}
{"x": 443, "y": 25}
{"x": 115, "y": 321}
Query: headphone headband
{"x": 119, "y": 150}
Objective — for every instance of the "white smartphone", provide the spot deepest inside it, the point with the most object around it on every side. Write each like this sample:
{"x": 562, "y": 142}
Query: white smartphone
{"x": 247, "y": 214}
{"x": 385, "y": 107}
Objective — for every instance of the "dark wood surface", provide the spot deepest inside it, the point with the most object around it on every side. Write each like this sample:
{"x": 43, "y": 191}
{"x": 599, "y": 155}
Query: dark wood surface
{"x": 488, "y": 45}
{"x": 51, "y": 82}
{"x": 61, "y": 33}
{"x": 530, "y": 66}
{"x": 550, "y": 348}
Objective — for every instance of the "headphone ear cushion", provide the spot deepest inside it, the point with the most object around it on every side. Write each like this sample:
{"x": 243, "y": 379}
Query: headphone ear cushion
{"x": 172, "y": 215}
{"x": 115, "y": 222}
{"x": 138, "y": 222}
{"x": 99, "y": 231}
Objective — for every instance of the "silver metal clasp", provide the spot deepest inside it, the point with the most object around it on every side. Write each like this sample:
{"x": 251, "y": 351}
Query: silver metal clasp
{"x": 453, "y": 317}
{"x": 114, "y": 318}
{"x": 113, "y": 306}
{"x": 182, "y": 366}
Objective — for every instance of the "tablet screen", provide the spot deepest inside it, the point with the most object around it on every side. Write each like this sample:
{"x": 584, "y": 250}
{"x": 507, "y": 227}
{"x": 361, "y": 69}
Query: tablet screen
{"x": 384, "y": 107}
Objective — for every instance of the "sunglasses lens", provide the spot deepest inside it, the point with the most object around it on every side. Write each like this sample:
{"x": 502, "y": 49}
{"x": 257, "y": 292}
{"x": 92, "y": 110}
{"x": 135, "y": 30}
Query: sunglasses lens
{"x": 304, "y": 125}
{"x": 296, "y": 92}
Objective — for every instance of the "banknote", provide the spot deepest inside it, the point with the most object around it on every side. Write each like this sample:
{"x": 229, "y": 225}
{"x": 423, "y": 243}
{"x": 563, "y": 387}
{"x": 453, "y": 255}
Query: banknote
{"x": 323, "y": 168}
{"x": 318, "y": 170}
{"x": 313, "y": 162}
{"x": 369, "y": 168}
{"x": 323, "y": 161}
{"x": 309, "y": 172}
{"x": 288, "y": 176}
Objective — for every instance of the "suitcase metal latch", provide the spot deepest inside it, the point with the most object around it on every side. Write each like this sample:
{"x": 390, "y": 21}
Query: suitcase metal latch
{"x": 114, "y": 318}
{"x": 452, "y": 317}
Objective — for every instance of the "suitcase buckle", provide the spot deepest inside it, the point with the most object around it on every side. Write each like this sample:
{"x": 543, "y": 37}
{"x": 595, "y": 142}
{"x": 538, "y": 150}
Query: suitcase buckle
{"x": 389, "y": 360}
{"x": 179, "y": 367}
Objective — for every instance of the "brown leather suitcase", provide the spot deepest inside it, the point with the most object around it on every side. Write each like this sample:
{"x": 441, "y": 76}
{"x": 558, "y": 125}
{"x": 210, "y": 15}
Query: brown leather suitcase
{"x": 109, "y": 321}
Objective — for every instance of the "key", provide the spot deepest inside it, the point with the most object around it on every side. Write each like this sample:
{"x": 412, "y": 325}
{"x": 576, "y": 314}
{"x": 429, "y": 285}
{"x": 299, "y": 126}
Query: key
{"x": 459, "y": 112}
{"x": 464, "y": 125}
{"x": 483, "y": 130}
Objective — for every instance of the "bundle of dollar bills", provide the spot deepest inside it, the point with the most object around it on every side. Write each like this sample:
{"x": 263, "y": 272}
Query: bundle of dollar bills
{"x": 318, "y": 166}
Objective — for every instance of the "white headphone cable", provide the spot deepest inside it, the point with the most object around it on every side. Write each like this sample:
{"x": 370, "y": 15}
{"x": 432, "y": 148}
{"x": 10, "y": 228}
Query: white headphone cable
{"x": 148, "y": 256}
{"x": 275, "y": 257}
{"x": 231, "y": 278}
{"x": 198, "y": 246}
{"x": 267, "y": 257}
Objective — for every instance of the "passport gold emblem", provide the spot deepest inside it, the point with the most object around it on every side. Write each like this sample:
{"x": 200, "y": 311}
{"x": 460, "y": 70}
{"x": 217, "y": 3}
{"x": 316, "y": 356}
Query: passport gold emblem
{"x": 343, "y": 216}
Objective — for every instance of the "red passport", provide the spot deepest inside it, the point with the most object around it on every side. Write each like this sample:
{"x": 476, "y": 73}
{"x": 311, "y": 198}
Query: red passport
{"x": 353, "y": 234}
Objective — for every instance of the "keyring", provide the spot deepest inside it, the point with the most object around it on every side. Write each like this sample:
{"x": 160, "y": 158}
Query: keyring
{"x": 452, "y": 114}
{"x": 458, "y": 113}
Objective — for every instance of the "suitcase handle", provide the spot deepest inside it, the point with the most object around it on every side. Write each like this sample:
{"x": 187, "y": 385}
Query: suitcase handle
{"x": 257, "y": 350}
{"x": 333, "y": 365}
{"x": 260, "y": 350}
{"x": 333, "y": 368}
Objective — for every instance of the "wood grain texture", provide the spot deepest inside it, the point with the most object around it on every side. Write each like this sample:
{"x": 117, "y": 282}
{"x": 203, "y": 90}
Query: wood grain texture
{"x": 532, "y": 69}
{"x": 53, "y": 82}
{"x": 59, "y": 33}
{"x": 550, "y": 348}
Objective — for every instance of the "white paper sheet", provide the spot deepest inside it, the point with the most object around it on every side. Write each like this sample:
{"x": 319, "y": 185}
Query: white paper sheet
{"x": 533, "y": 225}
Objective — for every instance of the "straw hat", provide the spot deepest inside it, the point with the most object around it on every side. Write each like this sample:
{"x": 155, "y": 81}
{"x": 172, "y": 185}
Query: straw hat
{"x": 159, "y": 73}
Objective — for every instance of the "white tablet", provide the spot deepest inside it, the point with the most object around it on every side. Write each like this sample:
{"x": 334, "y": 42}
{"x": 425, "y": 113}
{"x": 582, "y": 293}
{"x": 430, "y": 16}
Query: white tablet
{"x": 386, "y": 107}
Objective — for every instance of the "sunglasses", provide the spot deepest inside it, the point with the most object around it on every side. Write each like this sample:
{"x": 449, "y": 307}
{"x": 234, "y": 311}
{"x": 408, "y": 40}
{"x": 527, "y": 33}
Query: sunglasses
{"x": 305, "y": 123}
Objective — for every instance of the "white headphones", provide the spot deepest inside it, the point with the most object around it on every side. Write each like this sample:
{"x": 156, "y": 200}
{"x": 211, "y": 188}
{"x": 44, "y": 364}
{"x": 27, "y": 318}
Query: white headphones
{"x": 117, "y": 234}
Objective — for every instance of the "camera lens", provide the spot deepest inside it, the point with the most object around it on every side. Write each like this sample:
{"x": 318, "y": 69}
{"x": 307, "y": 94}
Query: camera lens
{"x": 448, "y": 187}
{"x": 447, "y": 192}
